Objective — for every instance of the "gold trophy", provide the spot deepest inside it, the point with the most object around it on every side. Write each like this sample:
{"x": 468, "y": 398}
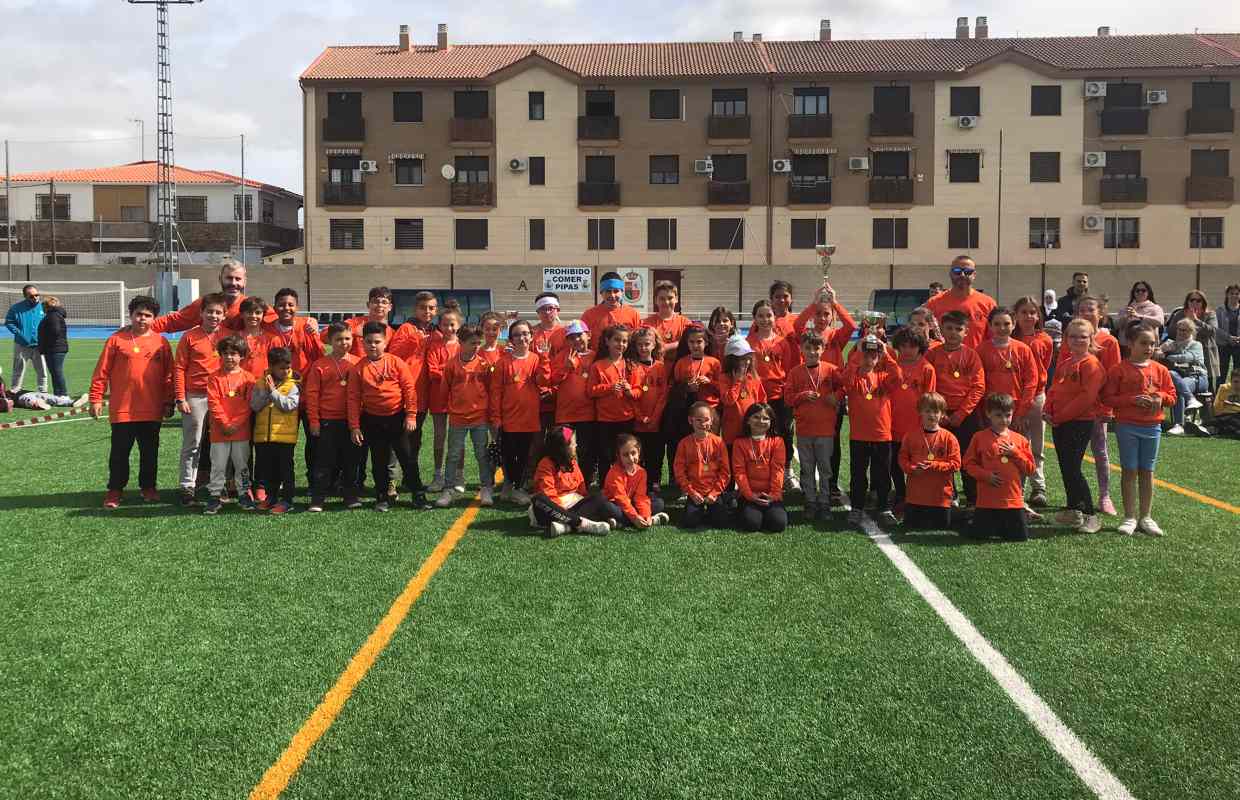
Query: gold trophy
{"x": 825, "y": 251}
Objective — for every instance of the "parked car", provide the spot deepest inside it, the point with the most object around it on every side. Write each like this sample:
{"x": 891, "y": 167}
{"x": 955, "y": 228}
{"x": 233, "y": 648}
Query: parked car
{"x": 897, "y": 304}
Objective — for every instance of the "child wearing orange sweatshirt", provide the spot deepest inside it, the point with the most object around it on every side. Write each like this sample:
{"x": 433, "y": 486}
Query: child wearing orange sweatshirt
{"x": 694, "y": 378}
{"x": 739, "y": 388}
{"x": 961, "y": 379}
{"x": 999, "y": 459}
{"x": 758, "y": 467}
{"x": 869, "y": 384}
{"x": 562, "y": 503}
{"x": 930, "y": 457}
{"x": 513, "y": 399}
{"x": 228, "y": 400}
{"x": 615, "y": 387}
{"x": 812, "y": 394}
{"x": 325, "y": 401}
{"x": 438, "y": 354}
{"x": 702, "y": 471}
{"x": 196, "y": 359}
{"x": 625, "y": 488}
{"x": 917, "y": 379}
{"x": 135, "y": 370}
{"x": 574, "y": 407}
{"x": 382, "y": 409}
{"x": 646, "y": 355}
{"x": 1071, "y": 408}
{"x": 466, "y": 379}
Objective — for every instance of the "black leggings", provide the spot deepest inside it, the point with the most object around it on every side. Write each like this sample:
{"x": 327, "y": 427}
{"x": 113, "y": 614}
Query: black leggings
{"x": 515, "y": 451}
{"x": 595, "y": 507}
{"x": 1071, "y": 441}
{"x": 587, "y": 451}
{"x": 275, "y": 463}
{"x": 413, "y": 474}
{"x": 783, "y": 418}
{"x": 652, "y": 458}
{"x": 875, "y": 456}
{"x": 772, "y": 518}
{"x": 124, "y": 435}
{"x": 696, "y": 516}
{"x": 334, "y": 455}
{"x": 607, "y": 433}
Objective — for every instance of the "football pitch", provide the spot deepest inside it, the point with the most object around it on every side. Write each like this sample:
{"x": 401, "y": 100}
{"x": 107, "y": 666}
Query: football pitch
{"x": 154, "y": 652}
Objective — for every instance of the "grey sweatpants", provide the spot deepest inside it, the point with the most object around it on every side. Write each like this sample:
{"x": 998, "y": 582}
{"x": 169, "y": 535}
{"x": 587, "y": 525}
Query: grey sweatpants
{"x": 223, "y": 452}
{"x": 192, "y": 426}
{"x": 20, "y": 356}
{"x": 814, "y": 453}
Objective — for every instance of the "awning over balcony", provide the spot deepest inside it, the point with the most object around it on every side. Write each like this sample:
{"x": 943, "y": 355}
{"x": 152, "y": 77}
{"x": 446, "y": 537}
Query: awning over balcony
{"x": 343, "y": 151}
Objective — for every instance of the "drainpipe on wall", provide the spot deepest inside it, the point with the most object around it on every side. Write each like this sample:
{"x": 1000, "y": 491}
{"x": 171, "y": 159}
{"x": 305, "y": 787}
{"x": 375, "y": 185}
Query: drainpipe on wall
{"x": 770, "y": 128}
{"x": 307, "y": 191}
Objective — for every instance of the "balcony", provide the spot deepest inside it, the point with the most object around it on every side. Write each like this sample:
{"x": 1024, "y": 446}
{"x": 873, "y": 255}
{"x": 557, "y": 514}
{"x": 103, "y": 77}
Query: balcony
{"x": 344, "y": 194}
{"x": 473, "y": 194}
{"x": 889, "y": 124}
{"x": 103, "y": 231}
{"x": 817, "y": 193}
{"x": 472, "y": 129}
{"x": 809, "y": 126}
{"x": 1210, "y": 189}
{"x": 344, "y": 130}
{"x": 605, "y": 129}
{"x": 1124, "y": 190}
{"x": 727, "y": 127}
{"x": 1125, "y": 121}
{"x": 891, "y": 190}
{"x": 598, "y": 193}
{"x": 721, "y": 193}
{"x": 1211, "y": 120}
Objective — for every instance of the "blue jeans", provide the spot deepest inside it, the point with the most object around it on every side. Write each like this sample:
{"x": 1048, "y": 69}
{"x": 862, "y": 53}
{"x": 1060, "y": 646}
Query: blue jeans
{"x": 1185, "y": 387}
{"x": 456, "y": 455}
{"x": 56, "y": 368}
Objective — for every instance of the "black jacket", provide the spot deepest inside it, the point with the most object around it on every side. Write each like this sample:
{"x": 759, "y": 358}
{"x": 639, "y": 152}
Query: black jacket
{"x": 53, "y": 338}
{"x": 1065, "y": 309}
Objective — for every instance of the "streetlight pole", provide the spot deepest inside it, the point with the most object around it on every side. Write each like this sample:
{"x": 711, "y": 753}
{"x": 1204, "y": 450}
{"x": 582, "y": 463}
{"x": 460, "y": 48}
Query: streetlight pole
{"x": 141, "y": 137}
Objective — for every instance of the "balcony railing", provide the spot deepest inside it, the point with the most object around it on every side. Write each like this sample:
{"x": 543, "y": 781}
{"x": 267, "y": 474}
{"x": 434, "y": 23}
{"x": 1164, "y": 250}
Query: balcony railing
{"x": 598, "y": 128}
{"x": 472, "y": 129}
{"x": 809, "y": 126}
{"x": 598, "y": 193}
{"x": 1124, "y": 190}
{"x": 344, "y": 130}
{"x": 1211, "y": 120}
{"x": 473, "y": 194}
{"x": 888, "y": 124}
{"x": 103, "y": 231}
{"x": 1125, "y": 121}
{"x": 344, "y": 194}
{"x": 718, "y": 127}
{"x": 1210, "y": 189}
{"x": 721, "y": 193}
{"x": 817, "y": 193}
{"x": 891, "y": 190}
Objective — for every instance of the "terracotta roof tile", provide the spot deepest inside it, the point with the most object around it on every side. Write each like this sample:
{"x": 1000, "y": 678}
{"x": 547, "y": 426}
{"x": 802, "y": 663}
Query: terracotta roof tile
{"x": 142, "y": 172}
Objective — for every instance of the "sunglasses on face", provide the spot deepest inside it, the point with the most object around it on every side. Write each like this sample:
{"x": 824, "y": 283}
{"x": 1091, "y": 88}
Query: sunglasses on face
{"x": 1141, "y": 290}
{"x": 962, "y": 271}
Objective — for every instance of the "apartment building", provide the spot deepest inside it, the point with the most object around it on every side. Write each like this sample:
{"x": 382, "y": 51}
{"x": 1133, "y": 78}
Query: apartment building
{"x": 723, "y": 164}
{"x": 107, "y": 215}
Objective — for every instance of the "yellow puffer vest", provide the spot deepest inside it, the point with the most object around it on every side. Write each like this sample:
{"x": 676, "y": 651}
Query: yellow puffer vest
{"x": 273, "y": 426}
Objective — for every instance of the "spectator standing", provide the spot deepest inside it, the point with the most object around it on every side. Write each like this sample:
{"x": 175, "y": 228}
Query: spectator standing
{"x": 1228, "y": 334}
{"x": 1195, "y": 309}
{"x": 23, "y": 320}
{"x": 54, "y": 343}
{"x": 1065, "y": 309}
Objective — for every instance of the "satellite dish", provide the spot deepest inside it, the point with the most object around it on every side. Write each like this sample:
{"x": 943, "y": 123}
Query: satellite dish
{"x": 448, "y": 172}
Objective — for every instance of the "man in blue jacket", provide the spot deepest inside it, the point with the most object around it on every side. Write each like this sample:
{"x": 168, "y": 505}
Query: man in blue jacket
{"x": 23, "y": 322}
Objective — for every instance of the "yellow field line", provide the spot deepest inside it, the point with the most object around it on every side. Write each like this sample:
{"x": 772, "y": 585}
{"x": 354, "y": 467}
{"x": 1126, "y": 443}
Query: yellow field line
{"x": 277, "y": 777}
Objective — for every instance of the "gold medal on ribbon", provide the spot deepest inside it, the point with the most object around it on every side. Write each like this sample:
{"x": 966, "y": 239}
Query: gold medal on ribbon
{"x": 1008, "y": 364}
{"x": 344, "y": 382}
{"x": 904, "y": 386}
{"x": 232, "y": 394}
{"x": 766, "y": 358}
{"x": 929, "y": 456}
{"x": 645, "y": 388}
{"x": 869, "y": 396}
{"x": 1004, "y": 459}
{"x": 956, "y": 374}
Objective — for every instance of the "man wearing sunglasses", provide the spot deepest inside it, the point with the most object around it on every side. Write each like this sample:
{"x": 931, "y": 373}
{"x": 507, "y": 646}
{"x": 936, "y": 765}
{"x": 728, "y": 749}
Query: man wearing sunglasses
{"x": 23, "y": 322}
{"x": 963, "y": 297}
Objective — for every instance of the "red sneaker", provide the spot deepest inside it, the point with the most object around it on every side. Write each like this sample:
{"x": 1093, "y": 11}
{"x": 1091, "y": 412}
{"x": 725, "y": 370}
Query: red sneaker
{"x": 150, "y": 495}
{"x": 260, "y": 497}
{"x": 112, "y": 499}
{"x": 280, "y": 508}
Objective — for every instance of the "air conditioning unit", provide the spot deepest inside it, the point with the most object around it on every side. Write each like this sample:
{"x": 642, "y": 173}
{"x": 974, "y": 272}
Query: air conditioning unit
{"x": 1095, "y": 160}
{"x": 781, "y": 165}
{"x": 1155, "y": 97}
{"x": 1092, "y": 222}
{"x": 517, "y": 164}
{"x": 1095, "y": 88}
{"x": 858, "y": 164}
{"x": 368, "y": 166}
{"x": 704, "y": 166}
{"x": 966, "y": 122}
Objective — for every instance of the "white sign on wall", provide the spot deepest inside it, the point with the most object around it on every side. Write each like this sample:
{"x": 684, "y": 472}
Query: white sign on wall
{"x": 568, "y": 280}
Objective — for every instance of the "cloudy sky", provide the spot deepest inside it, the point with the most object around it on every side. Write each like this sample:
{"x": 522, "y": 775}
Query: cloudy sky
{"x": 74, "y": 72}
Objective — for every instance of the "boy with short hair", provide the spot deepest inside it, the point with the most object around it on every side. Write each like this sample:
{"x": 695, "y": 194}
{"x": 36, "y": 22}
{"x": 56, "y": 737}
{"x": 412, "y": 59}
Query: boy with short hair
{"x": 410, "y": 343}
{"x": 196, "y": 360}
{"x": 254, "y": 331}
{"x": 812, "y": 391}
{"x": 300, "y": 336}
{"x": 869, "y": 384}
{"x": 275, "y": 401}
{"x": 378, "y": 309}
{"x": 326, "y": 405}
{"x": 383, "y": 411}
{"x": 467, "y": 377}
{"x": 960, "y": 378}
{"x": 135, "y": 368}
{"x": 228, "y": 402}
{"x": 667, "y": 323}
{"x": 930, "y": 457}
{"x": 999, "y": 459}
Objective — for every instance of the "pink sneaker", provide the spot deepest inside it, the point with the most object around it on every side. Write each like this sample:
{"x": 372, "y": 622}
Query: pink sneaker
{"x": 1107, "y": 507}
{"x": 112, "y": 499}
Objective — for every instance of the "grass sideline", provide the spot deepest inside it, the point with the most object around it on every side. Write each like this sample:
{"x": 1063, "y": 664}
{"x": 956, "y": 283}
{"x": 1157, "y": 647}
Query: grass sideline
{"x": 154, "y": 652}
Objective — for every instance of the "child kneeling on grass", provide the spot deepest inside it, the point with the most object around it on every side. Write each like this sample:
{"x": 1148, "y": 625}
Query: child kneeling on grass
{"x": 275, "y": 400}
{"x": 758, "y": 465}
{"x": 702, "y": 471}
{"x": 228, "y": 411}
{"x": 999, "y": 459}
{"x": 562, "y": 502}
{"x": 626, "y": 487}
{"x": 930, "y": 458}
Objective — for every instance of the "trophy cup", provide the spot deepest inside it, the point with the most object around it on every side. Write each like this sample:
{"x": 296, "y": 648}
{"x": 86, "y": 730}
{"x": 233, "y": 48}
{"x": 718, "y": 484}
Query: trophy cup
{"x": 825, "y": 251}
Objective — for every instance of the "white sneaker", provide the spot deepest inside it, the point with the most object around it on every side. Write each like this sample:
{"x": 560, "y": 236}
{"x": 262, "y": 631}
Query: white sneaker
{"x": 791, "y": 482}
{"x": 596, "y": 528}
{"x": 660, "y": 519}
{"x": 519, "y": 497}
{"x": 1192, "y": 403}
{"x": 447, "y": 498}
{"x": 1090, "y": 524}
{"x": 558, "y": 529}
{"x": 1175, "y": 430}
{"x": 437, "y": 485}
{"x": 485, "y": 497}
{"x": 81, "y": 401}
{"x": 1070, "y": 517}
{"x": 1149, "y": 526}
{"x": 1128, "y": 527}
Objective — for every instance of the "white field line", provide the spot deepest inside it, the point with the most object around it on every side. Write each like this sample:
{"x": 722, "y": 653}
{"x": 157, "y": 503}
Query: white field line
{"x": 1085, "y": 764}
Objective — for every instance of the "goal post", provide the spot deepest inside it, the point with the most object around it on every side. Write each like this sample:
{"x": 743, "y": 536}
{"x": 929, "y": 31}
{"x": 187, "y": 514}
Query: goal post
{"x": 102, "y": 303}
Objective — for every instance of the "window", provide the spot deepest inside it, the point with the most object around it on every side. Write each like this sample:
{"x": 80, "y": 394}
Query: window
{"x": 964, "y": 167}
{"x": 729, "y": 102}
{"x": 665, "y": 104}
{"x": 966, "y": 101}
{"x": 43, "y": 207}
{"x": 1124, "y": 95}
{"x": 808, "y": 233}
{"x": 238, "y": 199}
{"x": 1043, "y": 232}
{"x": 538, "y": 171}
{"x": 344, "y": 105}
{"x": 61, "y": 258}
{"x": 731, "y": 168}
{"x": 600, "y": 103}
{"x": 1044, "y": 168}
{"x": 344, "y": 169}
{"x": 346, "y": 234}
{"x": 661, "y": 234}
{"x": 408, "y": 172}
{"x": 600, "y": 234}
{"x": 1123, "y": 164}
{"x": 191, "y": 209}
{"x": 406, "y": 106}
{"x": 471, "y": 105}
{"x": 665, "y": 169}
{"x": 538, "y": 234}
{"x": 891, "y": 100}
{"x": 727, "y": 234}
{"x": 810, "y": 169}
{"x": 890, "y": 164}
{"x": 1214, "y": 94}
{"x": 473, "y": 169}
{"x": 1045, "y": 101}
{"x": 409, "y": 234}
{"x": 4, "y": 209}
{"x": 962, "y": 233}
{"x": 811, "y": 102}
{"x": 471, "y": 234}
{"x": 138, "y": 213}
{"x": 538, "y": 106}
{"x": 269, "y": 211}
{"x": 1122, "y": 232}
{"x": 1205, "y": 233}
{"x": 128, "y": 260}
{"x": 600, "y": 169}
{"x": 1211, "y": 163}
{"x": 890, "y": 234}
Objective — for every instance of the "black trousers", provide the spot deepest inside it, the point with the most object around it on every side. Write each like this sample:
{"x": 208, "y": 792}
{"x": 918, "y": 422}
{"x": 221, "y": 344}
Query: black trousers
{"x": 999, "y": 523}
{"x": 413, "y": 473}
{"x": 876, "y": 458}
{"x": 124, "y": 435}
{"x": 927, "y": 518}
{"x": 696, "y": 516}
{"x": 783, "y": 418}
{"x": 335, "y": 455}
{"x": 385, "y": 436}
{"x": 312, "y": 443}
{"x": 515, "y": 452}
{"x": 897, "y": 474}
{"x": 772, "y": 518}
{"x": 607, "y": 433}
{"x": 595, "y": 507}
{"x": 1071, "y": 441}
{"x": 652, "y": 458}
{"x": 274, "y": 462}
{"x": 587, "y": 451}
{"x": 964, "y": 434}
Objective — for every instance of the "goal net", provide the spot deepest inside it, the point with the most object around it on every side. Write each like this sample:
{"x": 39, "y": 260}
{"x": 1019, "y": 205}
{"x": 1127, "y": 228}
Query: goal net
{"x": 86, "y": 302}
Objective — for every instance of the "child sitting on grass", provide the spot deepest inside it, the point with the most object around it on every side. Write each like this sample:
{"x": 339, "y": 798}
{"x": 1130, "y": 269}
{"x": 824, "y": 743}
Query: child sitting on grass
{"x": 275, "y": 400}
{"x": 626, "y": 487}
{"x": 999, "y": 459}
{"x": 562, "y": 502}
{"x": 1227, "y": 407}
{"x": 758, "y": 466}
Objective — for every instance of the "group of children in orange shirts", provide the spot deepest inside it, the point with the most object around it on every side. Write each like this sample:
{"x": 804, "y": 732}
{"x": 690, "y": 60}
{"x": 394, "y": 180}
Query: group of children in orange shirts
{"x": 602, "y": 401}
